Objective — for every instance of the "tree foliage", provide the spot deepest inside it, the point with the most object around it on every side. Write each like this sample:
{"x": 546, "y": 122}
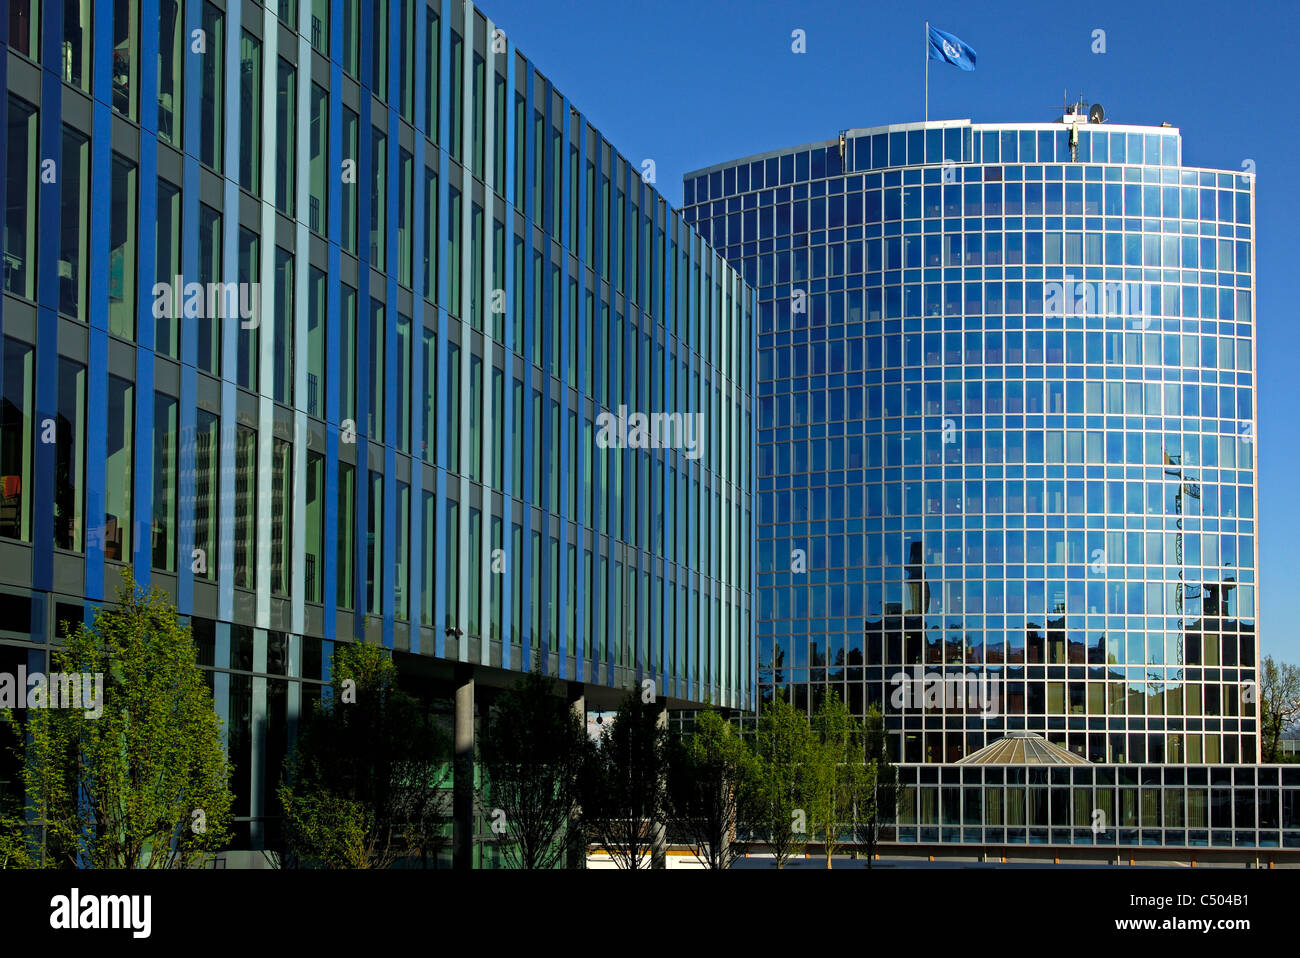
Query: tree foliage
{"x": 840, "y": 774}
{"x": 623, "y": 781}
{"x": 361, "y": 786}
{"x": 1279, "y": 704}
{"x": 532, "y": 753}
{"x": 145, "y": 783}
{"x": 878, "y": 802}
{"x": 785, "y": 752}
{"x": 710, "y": 768}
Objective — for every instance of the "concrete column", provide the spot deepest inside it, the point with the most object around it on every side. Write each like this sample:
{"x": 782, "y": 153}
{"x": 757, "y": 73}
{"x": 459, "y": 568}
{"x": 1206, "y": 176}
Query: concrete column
{"x": 462, "y": 803}
{"x": 576, "y": 856}
{"x": 659, "y": 833}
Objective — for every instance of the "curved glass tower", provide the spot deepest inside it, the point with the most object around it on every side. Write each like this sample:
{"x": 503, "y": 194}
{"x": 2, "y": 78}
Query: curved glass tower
{"x": 1005, "y": 426}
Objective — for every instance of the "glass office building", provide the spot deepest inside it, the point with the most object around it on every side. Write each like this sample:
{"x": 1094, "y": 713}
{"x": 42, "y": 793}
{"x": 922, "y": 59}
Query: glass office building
{"x": 1005, "y": 423}
{"x": 310, "y": 314}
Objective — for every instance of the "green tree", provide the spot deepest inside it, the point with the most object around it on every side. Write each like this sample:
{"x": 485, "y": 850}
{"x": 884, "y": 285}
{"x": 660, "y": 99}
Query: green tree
{"x": 623, "y": 783}
{"x": 1279, "y": 705}
{"x": 839, "y": 770}
{"x": 139, "y": 779}
{"x": 709, "y": 769}
{"x": 361, "y": 785}
{"x": 532, "y": 752}
{"x": 785, "y": 751}
{"x": 878, "y": 800}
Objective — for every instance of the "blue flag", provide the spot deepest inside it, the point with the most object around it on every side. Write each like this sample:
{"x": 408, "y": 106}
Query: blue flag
{"x": 946, "y": 47}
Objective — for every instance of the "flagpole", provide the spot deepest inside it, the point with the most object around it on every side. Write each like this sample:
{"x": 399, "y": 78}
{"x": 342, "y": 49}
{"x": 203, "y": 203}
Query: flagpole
{"x": 926, "y": 48}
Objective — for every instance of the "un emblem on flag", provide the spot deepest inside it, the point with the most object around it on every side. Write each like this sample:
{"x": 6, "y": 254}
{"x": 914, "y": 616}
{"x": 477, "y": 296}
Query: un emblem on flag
{"x": 952, "y": 51}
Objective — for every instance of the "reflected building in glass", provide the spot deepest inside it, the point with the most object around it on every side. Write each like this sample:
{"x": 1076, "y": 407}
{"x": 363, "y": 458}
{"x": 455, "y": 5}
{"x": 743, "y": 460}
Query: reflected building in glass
{"x": 1005, "y": 426}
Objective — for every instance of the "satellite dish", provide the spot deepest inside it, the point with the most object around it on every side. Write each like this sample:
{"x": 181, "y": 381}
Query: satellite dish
{"x": 1096, "y": 114}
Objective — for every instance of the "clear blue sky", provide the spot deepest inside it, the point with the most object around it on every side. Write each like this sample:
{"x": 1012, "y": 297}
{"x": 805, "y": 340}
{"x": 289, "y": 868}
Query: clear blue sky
{"x": 690, "y": 84}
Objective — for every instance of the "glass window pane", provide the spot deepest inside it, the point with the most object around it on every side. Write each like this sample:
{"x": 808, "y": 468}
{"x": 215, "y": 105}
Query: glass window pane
{"x": 168, "y": 292}
{"x": 250, "y": 113}
{"x": 17, "y": 418}
{"x": 70, "y": 456}
{"x": 245, "y": 506}
{"x": 212, "y": 89}
{"x": 122, "y": 250}
{"x": 119, "y": 469}
{"x": 207, "y": 460}
{"x": 20, "y": 200}
{"x": 74, "y": 222}
{"x": 281, "y": 516}
{"x": 165, "y": 436}
{"x": 171, "y": 30}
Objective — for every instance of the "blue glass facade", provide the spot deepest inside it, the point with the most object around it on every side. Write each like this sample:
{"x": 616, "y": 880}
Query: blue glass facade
{"x": 312, "y": 323}
{"x": 1005, "y": 421}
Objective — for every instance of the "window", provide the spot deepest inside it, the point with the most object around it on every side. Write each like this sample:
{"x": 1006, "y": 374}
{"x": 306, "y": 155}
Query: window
{"x": 453, "y": 252}
{"x": 403, "y": 543}
{"x": 126, "y": 61}
{"x": 348, "y": 355}
{"x": 478, "y": 110}
{"x": 320, "y": 31}
{"x": 474, "y": 566}
{"x": 316, "y": 300}
{"x": 430, "y": 235}
{"x": 245, "y": 506}
{"x": 167, "y": 271}
{"x": 76, "y": 42}
{"x": 475, "y": 415}
{"x": 451, "y": 408}
{"x": 429, "y": 358}
{"x": 379, "y": 48}
{"x": 24, "y": 27}
{"x": 20, "y": 200}
{"x": 250, "y": 113}
{"x": 406, "y": 61}
{"x": 405, "y": 213}
{"x": 375, "y": 545}
{"x": 281, "y": 516}
{"x": 286, "y": 126}
{"x": 171, "y": 30}
{"x": 122, "y": 250}
{"x": 212, "y": 90}
{"x": 118, "y": 469}
{"x": 451, "y": 564}
{"x": 17, "y": 419}
{"x": 207, "y": 327}
{"x": 429, "y": 508}
{"x": 70, "y": 456}
{"x": 351, "y": 40}
{"x": 403, "y": 383}
{"x": 249, "y": 336}
{"x": 378, "y": 198}
{"x": 207, "y": 486}
{"x": 74, "y": 222}
{"x": 347, "y": 524}
{"x": 432, "y": 74}
{"x": 165, "y": 435}
{"x": 314, "y": 533}
{"x": 318, "y": 161}
{"x": 282, "y": 352}
{"x": 455, "y": 114}
{"x": 351, "y": 145}
{"x": 375, "y": 411}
